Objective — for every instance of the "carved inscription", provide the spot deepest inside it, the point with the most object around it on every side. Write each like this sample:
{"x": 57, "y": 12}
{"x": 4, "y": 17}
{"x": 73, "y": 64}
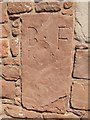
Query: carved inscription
{"x": 45, "y": 69}
{"x": 63, "y": 34}
{"x": 32, "y": 33}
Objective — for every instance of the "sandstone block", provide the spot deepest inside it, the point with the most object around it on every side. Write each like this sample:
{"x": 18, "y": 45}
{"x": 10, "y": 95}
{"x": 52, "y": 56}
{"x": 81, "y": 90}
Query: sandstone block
{"x": 16, "y": 23}
{"x": 67, "y": 5}
{"x": 56, "y": 116}
{"x": 4, "y": 48}
{"x": 11, "y": 61}
{"x": 18, "y": 91}
{"x": 4, "y": 30}
{"x": 79, "y": 97}
{"x": 81, "y": 23}
{"x": 46, "y": 61}
{"x": 8, "y": 89}
{"x": 19, "y": 112}
{"x": 52, "y": 115}
{"x": 3, "y": 12}
{"x": 10, "y": 72}
{"x": 14, "y": 47}
{"x": 19, "y": 7}
{"x": 48, "y": 7}
{"x": 81, "y": 64}
{"x": 7, "y": 101}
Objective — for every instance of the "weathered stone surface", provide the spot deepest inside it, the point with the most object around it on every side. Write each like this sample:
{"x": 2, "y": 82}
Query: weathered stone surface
{"x": 3, "y": 12}
{"x": 4, "y": 30}
{"x": 8, "y": 89}
{"x": 18, "y": 112}
{"x": 81, "y": 23}
{"x": 10, "y": 72}
{"x": 19, "y": 7}
{"x": 45, "y": 64}
{"x": 14, "y": 47}
{"x": 4, "y": 48}
{"x": 11, "y": 61}
{"x": 79, "y": 97}
{"x": 81, "y": 64}
{"x": 56, "y": 116}
{"x": 48, "y": 7}
{"x": 67, "y": 5}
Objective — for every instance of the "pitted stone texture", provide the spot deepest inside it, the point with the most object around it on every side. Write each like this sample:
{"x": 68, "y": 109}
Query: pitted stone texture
{"x": 10, "y": 72}
{"x": 19, "y": 7}
{"x": 8, "y": 89}
{"x": 48, "y": 7}
{"x": 81, "y": 64}
{"x": 46, "y": 61}
{"x": 19, "y": 112}
{"x": 79, "y": 97}
{"x": 4, "y": 48}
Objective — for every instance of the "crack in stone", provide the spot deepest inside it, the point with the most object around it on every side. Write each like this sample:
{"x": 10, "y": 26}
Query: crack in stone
{"x": 57, "y": 100}
{"x": 38, "y": 111}
{"x": 70, "y": 96}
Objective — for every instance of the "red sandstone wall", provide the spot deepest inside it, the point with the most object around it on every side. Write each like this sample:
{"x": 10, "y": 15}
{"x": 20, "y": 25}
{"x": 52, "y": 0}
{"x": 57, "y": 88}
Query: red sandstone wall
{"x": 73, "y": 105}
